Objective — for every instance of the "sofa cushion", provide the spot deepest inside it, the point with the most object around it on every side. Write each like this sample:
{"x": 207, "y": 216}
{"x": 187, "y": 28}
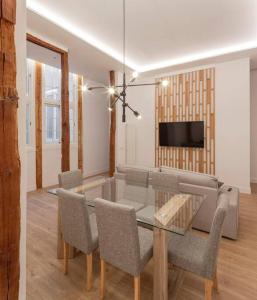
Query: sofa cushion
{"x": 194, "y": 178}
{"x": 124, "y": 168}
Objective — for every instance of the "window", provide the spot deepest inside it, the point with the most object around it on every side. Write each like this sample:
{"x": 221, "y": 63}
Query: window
{"x": 52, "y": 123}
{"x": 28, "y": 123}
{"x": 52, "y": 84}
{"x": 29, "y": 100}
{"x": 73, "y": 78}
{"x": 52, "y": 103}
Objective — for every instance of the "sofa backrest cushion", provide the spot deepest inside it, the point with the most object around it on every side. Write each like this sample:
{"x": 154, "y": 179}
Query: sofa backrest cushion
{"x": 124, "y": 168}
{"x": 193, "y": 178}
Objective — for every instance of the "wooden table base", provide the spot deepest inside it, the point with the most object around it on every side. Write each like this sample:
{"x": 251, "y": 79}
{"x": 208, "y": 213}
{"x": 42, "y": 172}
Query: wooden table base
{"x": 160, "y": 264}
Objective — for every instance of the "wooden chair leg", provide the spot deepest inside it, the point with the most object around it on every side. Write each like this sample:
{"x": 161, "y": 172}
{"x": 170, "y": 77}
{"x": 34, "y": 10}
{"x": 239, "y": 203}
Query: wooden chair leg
{"x": 137, "y": 288}
{"x": 102, "y": 280}
{"x": 89, "y": 271}
{"x": 208, "y": 289}
{"x": 215, "y": 281}
{"x": 66, "y": 257}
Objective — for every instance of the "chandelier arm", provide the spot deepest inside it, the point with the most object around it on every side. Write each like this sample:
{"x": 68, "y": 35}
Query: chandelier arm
{"x": 96, "y": 87}
{"x": 139, "y": 84}
{"x": 115, "y": 101}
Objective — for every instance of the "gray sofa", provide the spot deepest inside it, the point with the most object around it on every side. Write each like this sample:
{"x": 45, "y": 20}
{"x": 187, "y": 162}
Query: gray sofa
{"x": 198, "y": 183}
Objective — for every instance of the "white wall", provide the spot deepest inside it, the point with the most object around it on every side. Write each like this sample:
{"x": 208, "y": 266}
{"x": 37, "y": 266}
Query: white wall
{"x": 232, "y": 124}
{"x": 137, "y": 135}
{"x": 96, "y": 132}
{"x": 254, "y": 126}
{"x": 20, "y": 40}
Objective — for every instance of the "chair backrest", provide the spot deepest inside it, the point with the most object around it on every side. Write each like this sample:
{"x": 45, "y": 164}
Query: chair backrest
{"x": 70, "y": 179}
{"x": 118, "y": 235}
{"x": 75, "y": 224}
{"x": 137, "y": 177}
{"x": 213, "y": 243}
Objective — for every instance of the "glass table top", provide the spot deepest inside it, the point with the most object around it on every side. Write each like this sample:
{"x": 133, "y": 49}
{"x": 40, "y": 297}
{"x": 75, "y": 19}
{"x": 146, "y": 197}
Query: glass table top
{"x": 157, "y": 206}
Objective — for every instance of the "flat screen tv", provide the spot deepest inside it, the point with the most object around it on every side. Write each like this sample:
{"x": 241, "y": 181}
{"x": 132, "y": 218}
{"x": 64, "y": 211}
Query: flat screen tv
{"x": 182, "y": 134}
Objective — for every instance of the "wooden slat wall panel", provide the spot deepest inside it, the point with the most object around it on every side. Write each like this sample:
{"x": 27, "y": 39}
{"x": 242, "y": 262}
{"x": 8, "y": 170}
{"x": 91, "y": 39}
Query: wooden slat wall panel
{"x": 9, "y": 157}
{"x": 80, "y": 123}
{"x": 38, "y": 121}
{"x": 65, "y": 114}
{"x": 189, "y": 97}
{"x": 112, "y": 129}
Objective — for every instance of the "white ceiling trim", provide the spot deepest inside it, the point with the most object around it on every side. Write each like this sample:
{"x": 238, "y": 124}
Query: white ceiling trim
{"x": 53, "y": 17}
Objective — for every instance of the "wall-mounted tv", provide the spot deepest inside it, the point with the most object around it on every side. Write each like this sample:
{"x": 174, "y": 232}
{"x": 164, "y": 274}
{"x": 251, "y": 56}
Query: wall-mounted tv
{"x": 182, "y": 134}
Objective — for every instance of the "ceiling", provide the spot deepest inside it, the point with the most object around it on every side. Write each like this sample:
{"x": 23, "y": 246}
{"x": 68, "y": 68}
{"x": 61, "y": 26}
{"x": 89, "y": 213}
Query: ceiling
{"x": 160, "y": 34}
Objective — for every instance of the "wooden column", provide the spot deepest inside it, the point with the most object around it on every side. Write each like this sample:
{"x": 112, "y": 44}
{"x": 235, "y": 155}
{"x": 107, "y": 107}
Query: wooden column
{"x": 112, "y": 129}
{"x": 9, "y": 157}
{"x": 65, "y": 114}
{"x": 38, "y": 118}
{"x": 80, "y": 123}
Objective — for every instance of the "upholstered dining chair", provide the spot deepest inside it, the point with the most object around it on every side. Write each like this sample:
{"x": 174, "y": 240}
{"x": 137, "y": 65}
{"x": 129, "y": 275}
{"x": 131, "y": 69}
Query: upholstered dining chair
{"x": 70, "y": 179}
{"x": 136, "y": 183}
{"x": 122, "y": 243}
{"x": 79, "y": 229}
{"x": 199, "y": 255}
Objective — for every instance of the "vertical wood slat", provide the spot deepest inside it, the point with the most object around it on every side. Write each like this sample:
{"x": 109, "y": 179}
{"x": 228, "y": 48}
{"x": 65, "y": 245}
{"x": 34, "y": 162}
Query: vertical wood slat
{"x": 192, "y": 99}
{"x": 38, "y": 123}
{"x": 9, "y": 157}
{"x": 80, "y": 123}
{"x": 112, "y": 129}
{"x": 65, "y": 113}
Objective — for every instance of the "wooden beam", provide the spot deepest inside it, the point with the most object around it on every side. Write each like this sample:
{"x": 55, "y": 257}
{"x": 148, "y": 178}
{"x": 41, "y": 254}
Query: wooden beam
{"x": 65, "y": 114}
{"x": 80, "y": 123}
{"x": 9, "y": 157}
{"x": 38, "y": 121}
{"x": 112, "y": 129}
{"x": 35, "y": 40}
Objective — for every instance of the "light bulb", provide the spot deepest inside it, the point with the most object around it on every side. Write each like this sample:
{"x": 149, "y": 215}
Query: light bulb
{"x": 111, "y": 90}
{"x": 84, "y": 88}
{"x": 109, "y": 108}
{"x": 165, "y": 83}
{"x": 135, "y": 74}
{"x": 139, "y": 117}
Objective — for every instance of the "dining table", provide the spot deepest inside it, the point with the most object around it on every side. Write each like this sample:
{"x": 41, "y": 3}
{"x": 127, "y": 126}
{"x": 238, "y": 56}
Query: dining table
{"x": 163, "y": 209}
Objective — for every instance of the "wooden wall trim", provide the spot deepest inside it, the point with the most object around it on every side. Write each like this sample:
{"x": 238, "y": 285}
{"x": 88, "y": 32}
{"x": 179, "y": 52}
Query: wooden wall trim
{"x": 9, "y": 157}
{"x": 65, "y": 113}
{"x": 38, "y": 123}
{"x": 112, "y": 130}
{"x": 35, "y": 40}
{"x": 189, "y": 97}
{"x": 80, "y": 123}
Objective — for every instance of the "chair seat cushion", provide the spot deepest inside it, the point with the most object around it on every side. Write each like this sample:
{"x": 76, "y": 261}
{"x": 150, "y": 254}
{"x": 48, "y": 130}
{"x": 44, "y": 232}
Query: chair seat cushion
{"x": 187, "y": 252}
{"x": 146, "y": 246}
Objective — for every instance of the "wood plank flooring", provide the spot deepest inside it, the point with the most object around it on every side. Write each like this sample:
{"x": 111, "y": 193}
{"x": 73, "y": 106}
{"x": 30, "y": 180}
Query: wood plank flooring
{"x": 237, "y": 269}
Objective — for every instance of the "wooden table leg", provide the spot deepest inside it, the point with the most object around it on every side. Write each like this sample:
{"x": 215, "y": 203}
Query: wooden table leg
{"x": 160, "y": 265}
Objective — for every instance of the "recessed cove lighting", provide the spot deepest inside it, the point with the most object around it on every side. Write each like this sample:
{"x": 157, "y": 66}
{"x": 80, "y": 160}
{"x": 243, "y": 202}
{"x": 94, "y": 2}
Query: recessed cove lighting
{"x": 64, "y": 23}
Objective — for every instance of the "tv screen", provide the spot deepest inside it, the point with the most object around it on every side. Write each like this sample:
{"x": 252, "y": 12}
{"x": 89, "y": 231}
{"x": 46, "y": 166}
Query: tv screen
{"x": 182, "y": 134}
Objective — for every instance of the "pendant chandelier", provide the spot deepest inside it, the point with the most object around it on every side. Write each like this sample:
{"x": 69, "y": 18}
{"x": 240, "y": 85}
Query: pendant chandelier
{"x": 121, "y": 95}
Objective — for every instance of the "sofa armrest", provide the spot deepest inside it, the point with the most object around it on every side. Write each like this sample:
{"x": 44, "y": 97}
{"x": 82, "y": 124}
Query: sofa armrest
{"x": 204, "y": 217}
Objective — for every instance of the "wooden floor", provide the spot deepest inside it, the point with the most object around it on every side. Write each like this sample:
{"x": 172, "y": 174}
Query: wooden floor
{"x": 237, "y": 269}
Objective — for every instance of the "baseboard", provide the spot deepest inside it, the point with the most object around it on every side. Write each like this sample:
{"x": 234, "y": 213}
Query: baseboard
{"x": 254, "y": 180}
{"x": 95, "y": 173}
{"x": 245, "y": 190}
